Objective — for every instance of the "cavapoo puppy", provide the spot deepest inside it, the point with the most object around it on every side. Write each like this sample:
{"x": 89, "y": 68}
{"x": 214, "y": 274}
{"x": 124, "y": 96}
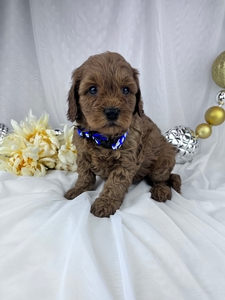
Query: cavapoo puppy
{"x": 114, "y": 138}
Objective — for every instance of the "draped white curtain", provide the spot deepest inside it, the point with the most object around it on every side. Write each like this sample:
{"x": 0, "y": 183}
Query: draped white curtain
{"x": 173, "y": 44}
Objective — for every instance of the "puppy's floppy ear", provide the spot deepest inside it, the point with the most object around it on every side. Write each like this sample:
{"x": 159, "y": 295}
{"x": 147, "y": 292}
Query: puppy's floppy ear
{"x": 139, "y": 104}
{"x": 73, "y": 96}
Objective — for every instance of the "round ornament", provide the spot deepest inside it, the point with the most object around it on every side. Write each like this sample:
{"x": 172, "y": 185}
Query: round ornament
{"x": 186, "y": 142}
{"x": 215, "y": 115}
{"x": 58, "y": 132}
{"x": 4, "y": 130}
{"x": 203, "y": 130}
{"x": 220, "y": 98}
{"x": 218, "y": 70}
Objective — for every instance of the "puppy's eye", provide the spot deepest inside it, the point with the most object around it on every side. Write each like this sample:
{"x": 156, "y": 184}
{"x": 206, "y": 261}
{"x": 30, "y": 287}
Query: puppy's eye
{"x": 93, "y": 90}
{"x": 125, "y": 90}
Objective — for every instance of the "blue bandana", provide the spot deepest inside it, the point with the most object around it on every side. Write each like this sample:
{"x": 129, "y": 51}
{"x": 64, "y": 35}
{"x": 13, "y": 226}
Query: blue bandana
{"x": 103, "y": 140}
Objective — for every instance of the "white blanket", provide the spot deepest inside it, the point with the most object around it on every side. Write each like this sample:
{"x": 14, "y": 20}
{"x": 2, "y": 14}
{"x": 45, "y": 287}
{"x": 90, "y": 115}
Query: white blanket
{"x": 55, "y": 249}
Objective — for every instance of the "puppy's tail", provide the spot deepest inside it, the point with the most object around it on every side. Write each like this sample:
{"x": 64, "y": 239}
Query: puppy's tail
{"x": 175, "y": 182}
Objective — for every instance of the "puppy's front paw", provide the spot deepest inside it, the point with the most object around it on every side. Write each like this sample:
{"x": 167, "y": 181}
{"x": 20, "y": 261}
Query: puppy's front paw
{"x": 104, "y": 208}
{"x": 73, "y": 193}
{"x": 161, "y": 192}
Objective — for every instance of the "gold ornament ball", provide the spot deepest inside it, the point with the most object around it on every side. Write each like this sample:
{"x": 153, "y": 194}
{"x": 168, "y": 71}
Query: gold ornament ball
{"x": 215, "y": 115}
{"x": 218, "y": 70}
{"x": 203, "y": 130}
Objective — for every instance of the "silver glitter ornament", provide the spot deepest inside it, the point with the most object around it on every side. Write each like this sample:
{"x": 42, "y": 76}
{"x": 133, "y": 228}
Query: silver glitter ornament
{"x": 184, "y": 139}
{"x": 58, "y": 132}
{"x": 220, "y": 98}
{"x": 4, "y": 130}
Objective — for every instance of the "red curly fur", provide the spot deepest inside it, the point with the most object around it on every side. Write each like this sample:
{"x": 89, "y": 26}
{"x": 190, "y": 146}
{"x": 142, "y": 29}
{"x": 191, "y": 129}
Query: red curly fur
{"x": 145, "y": 152}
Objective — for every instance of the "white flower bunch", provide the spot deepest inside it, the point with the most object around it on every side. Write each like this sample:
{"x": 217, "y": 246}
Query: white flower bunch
{"x": 33, "y": 148}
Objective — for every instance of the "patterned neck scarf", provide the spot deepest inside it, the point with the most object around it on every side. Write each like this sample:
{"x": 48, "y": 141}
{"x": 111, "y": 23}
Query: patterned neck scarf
{"x": 102, "y": 140}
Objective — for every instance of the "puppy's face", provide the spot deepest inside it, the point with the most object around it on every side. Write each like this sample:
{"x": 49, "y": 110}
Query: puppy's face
{"x": 105, "y": 94}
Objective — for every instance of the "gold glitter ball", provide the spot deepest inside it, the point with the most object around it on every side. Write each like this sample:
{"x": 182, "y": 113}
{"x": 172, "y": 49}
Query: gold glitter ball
{"x": 218, "y": 70}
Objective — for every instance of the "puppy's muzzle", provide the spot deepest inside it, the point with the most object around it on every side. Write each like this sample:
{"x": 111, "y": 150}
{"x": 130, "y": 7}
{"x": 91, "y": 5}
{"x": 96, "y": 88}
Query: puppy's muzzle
{"x": 112, "y": 113}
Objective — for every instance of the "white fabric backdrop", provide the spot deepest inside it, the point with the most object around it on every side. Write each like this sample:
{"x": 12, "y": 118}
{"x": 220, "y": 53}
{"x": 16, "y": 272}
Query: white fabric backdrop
{"x": 172, "y": 43}
{"x": 52, "y": 248}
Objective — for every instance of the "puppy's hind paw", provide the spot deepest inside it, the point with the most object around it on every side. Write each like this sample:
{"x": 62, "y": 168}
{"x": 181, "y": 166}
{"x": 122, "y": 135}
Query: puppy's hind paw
{"x": 161, "y": 192}
{"x": 175, "y": 182}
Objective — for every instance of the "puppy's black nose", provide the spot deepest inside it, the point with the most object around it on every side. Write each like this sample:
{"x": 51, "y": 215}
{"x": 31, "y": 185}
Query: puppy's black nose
{"x": 112, "y": 113}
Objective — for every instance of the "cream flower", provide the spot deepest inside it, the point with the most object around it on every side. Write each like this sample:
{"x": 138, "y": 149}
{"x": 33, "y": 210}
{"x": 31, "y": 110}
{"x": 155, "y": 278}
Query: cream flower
{"x": 33, "y": 147}
{"x": 67, "y": 153}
